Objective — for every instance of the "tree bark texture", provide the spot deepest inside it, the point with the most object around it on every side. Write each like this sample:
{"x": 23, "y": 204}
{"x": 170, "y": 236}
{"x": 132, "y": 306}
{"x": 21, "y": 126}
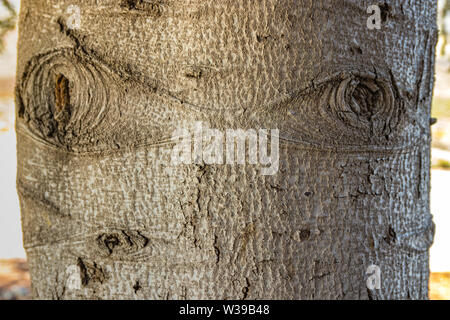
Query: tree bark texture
{"x": 100, "y": 199}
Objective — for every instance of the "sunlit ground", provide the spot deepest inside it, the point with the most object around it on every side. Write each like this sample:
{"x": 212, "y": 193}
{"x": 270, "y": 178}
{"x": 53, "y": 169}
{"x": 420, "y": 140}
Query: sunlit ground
{"x": 14, "y": 278}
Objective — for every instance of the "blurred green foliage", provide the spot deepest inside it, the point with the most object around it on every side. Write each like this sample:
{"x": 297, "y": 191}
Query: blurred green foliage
{"x": 440, "y": 108}
{"x": 441, "y": 164}
{"x": 7, "y": 23}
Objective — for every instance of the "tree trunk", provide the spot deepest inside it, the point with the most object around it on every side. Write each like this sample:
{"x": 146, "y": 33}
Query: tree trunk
{"x": 107, "y": 214}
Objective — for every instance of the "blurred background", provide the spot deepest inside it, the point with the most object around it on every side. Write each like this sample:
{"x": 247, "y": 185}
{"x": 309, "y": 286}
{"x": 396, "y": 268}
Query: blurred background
{"x": 14, "y": 277}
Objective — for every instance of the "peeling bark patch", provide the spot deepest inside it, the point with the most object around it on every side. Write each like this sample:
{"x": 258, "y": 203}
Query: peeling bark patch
{"x": 90, "y": 272}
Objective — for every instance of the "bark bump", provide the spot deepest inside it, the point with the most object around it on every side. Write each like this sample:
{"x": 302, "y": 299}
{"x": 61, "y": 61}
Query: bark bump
{"x": 67, "y": 99}
{"x": 363, "y": 103}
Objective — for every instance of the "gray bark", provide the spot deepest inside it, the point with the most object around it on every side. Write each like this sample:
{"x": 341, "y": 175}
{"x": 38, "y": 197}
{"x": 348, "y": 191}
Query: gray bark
{"x": 103, "y": 205}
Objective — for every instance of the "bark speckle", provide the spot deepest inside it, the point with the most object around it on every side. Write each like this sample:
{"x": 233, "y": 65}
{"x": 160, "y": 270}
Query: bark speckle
{"x": 137, "y": 286}
{"x": 391, "y": 236}
{"x": 305, "y": 234}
